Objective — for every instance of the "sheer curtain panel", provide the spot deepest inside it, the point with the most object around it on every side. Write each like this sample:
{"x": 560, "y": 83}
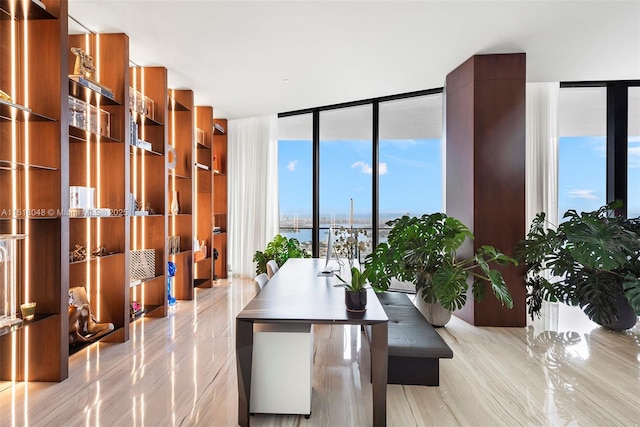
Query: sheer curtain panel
{"x": 542, "y": 162}
{"x": 253, "y": 189}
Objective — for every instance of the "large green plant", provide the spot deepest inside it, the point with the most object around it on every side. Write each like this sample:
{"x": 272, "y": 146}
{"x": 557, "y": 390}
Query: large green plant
{"x": 422, "y": 250}
{"x": 279, "y": 249}
{"x": 585, "y": 261}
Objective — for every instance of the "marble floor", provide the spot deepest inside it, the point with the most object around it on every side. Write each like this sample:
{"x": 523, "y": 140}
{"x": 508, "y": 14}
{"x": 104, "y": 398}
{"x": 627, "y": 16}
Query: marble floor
{"x": 562, "y": 370}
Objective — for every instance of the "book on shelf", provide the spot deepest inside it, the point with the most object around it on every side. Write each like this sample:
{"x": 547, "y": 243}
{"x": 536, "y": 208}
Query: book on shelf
{"x": 202, "y": 166}
{"x": 94, "y": 86}
{"x": 218, "y": 127}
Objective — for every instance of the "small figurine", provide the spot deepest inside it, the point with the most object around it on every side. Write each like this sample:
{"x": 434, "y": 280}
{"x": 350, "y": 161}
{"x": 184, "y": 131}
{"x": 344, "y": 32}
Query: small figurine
{"x": 78, "y": 254}
{"x": 149, "y": 209}
{"x": 100, "y": 251}
{"x": 84, "y": 64}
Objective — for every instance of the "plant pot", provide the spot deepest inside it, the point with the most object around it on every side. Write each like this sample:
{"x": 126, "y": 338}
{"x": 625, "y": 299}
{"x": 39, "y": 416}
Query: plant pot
{"x": 627, "y": 318}
{"x": 435, "y": 313}
{"x": 356, "y": 301}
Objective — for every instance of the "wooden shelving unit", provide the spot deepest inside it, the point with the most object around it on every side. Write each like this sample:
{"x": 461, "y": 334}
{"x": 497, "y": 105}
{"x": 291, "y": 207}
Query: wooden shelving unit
{"x": 181, "y": 136}
{"x": 34, "y": 180}
{"x": 149, "y": 183}
{"x": 203, "y": 213}
{"x": 99, "y": 158}
{"x": 220, "y": 196}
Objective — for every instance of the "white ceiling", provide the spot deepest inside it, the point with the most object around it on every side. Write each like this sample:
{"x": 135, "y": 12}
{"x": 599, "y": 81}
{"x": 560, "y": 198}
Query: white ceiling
{"x": 235, "y": 55}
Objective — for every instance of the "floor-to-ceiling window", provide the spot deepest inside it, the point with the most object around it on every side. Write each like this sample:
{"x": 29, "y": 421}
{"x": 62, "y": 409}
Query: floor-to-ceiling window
{"x": 410, "y": 151}
{"x": 582, "y": 160}
{"x": 346, "y": 150}
{"x": 295, "y": 175}
{"x": 376, "y": 160}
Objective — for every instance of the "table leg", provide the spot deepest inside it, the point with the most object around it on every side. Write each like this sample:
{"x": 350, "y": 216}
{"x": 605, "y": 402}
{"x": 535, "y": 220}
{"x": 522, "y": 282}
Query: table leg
{"x": 244, "y": 354}
{"x": 379, "y": 351}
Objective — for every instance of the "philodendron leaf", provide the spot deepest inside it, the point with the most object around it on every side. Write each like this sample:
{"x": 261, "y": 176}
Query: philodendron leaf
{"x": 478, "y": 289}
{"x": 450, "y": 287}
{"x": 500, "y": 289}
{"x": 631, "y": 286}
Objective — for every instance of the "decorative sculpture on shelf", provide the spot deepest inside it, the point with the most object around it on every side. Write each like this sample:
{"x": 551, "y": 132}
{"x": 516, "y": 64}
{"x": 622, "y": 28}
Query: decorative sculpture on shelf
{"x": 171, "y": 270}
{"x": 83, "y": 326}
{"x": 78, "y": 254}
{"x": 175, "y": 207}
{"x": 5, "y": 96}
{"x": 149, "y": 209}
{"x": 84, "y": 64}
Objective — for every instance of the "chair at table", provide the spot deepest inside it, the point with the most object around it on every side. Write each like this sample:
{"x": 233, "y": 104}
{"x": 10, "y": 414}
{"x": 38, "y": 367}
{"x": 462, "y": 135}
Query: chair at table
{"x": 281, "y": 367}
{"x": 260, "y": 281}
{"x": 272, "y": 267}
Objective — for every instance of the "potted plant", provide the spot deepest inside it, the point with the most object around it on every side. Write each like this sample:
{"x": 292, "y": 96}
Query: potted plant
{"x": 279, "y": 249}
{"x": 590, "y": 260}
{"x": 422, "y": 250}
{"x": 355, "y": 292}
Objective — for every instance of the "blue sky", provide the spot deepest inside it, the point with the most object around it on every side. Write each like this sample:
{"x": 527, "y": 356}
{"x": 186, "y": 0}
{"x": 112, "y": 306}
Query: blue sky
{"x": 411, "y": 176}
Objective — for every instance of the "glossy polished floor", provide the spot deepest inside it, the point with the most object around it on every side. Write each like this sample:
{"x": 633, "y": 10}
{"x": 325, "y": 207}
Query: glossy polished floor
{"x": 564, "y": 370}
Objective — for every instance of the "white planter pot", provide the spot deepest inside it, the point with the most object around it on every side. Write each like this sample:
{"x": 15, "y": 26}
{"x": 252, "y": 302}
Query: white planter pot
{"x": 435, "y": 313}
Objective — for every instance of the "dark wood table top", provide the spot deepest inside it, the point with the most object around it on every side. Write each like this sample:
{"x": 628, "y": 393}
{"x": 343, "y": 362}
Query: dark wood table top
{"x": 297, "y": 294}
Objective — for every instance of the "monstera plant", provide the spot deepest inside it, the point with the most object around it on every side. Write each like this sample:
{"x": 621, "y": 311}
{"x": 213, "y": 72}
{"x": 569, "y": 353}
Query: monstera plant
{"x": 279, "y": 249}
{"x": 590, "y": 260}
{"x": 422, "y": 250}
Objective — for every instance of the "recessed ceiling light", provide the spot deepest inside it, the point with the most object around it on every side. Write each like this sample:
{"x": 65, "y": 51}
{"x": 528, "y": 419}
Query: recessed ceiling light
{"x": 285, "y": 80}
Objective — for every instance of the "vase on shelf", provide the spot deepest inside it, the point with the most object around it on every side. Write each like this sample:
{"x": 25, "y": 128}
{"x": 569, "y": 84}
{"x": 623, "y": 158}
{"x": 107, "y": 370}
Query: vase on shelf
{"x": 175, "y": 208}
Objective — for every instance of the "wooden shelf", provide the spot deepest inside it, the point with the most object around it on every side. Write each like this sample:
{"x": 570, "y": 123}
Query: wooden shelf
{"x": 220, "y": 191}
{"x": 10, "y": 166}
{"x": 142, "y": 151}
{"x": 181, "y": 137}
{"x": 148, "y": 183}
{"x": 9, "y": 110}
{"x": 34, "y": 11}
{"x": 74, "y": 348}
{"x": 36, "y": 125}
{"x": 24, "y": 323}
{"x": 143, "y": 120}
{"x": 80, "y": 135}
{"x": 89, "y": 95}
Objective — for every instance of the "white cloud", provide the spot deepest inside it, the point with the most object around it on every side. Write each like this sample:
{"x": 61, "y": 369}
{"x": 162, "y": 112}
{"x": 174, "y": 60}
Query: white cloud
{"x": 365, "y": 168}
{"x": 634, "y": 157}
{"x": 292, "y": 165}
{"x": 582, "y": 194}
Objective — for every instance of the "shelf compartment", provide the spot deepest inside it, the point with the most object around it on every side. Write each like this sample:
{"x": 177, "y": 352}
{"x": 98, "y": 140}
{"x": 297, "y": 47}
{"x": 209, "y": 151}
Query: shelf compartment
{"x": 142, "y": 151}
{"x": 176, "y": 176}
{"x": 25, "y": 323}
{"x": 80, "y": 135}
{"x": 95, "y": 258}
{"x": 74, "y": 348}
{"x": 176, "y": 106}
{"x": 9, "y": 166}
{"x": 87, "y": 94}
{"x": 35, "y": 11}
{"x": 20, "y": 112}
{"x": 143, "y": 120}
{"x": 218, "y": 129}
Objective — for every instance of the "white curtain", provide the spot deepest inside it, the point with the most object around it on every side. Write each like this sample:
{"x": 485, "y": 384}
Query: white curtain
{"x": 542, "y": 161}
{"x": 253, "y": 189}
{"x": 542, "y": 150}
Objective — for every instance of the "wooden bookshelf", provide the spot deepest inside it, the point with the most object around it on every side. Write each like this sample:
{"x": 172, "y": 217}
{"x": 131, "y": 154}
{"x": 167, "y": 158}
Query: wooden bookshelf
{"x": 149, "y": 183}
{"x": 181, "y": 137}
{"x": 34, "y": 180}
{"x": 203, "y": 214}
{"x": 99, "y": 158}
{"x": 220, "y": 196}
